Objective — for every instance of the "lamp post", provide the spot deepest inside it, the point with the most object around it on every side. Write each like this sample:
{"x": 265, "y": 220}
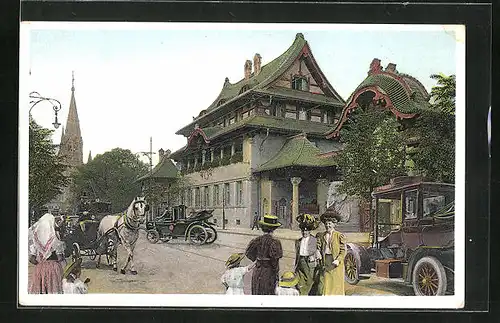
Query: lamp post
{"x": 56, "y": 105}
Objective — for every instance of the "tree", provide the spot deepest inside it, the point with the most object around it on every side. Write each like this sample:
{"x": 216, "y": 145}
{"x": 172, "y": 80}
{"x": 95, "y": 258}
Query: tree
{"x": 443, "y": 94}
{"x": 46, "y": 168}
{"x": 373, "y": 153}
{"x": 169, "y": 191}
{"x": 111, "y": 177}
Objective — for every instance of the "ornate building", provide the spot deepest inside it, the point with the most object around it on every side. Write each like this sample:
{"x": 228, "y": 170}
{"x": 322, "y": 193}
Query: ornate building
{"x": 261, "y": 145}
{"x": 71, "y": 150}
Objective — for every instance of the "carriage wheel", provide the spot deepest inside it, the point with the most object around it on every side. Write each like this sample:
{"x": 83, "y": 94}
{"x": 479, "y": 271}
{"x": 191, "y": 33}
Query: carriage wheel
{"x": 153, "y": 236}
{"x": 212, "y": 235}
{"x": 351, "y": 268}
{"x": 197, "y": 234}
{"x": 429, "y": 277}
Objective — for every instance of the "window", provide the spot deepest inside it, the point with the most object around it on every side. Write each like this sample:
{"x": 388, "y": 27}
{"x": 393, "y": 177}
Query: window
{"x": 216, "y": 195}
{"x": 291, "y": 112}
{"x": 206, "y": 200}
{"x": 189, "y": 197}
{"x": 227, "y": 195}
{"x": 239, "y": 193}
{"x": 197, "y": 197}
{"x": 245, "y": 115}
{"x": 325, "y": 117}
{"x": 302, "y": 114}
{"x": 232, "y": 120}
{"x": 410, "y": 205}
{"x": 300, "y": 83}
{"x": 315, "y": 118}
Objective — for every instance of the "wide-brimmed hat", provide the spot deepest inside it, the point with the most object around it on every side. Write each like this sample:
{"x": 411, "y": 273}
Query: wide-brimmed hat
{"x": 330, "y": 217}
{"x": 307, "y": 222}
{"x": 270, "y": 221}
{"x": 234, "y": 259}
{"x": 72, "y": 267}
{"x": 289, "y": 279}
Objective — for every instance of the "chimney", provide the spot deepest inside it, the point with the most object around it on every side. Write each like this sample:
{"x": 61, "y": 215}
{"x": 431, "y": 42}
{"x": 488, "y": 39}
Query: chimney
{"x": 248, "y": 69}
{"x": 375, "y": 66}
{"x": 257, "y": 59}
{"x": 391, "y": 67}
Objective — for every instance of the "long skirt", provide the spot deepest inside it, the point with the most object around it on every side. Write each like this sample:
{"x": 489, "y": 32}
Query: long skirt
{"x": 47, "y": 278}
{"x": 333, "y": 278}
{"x": 305, "y": 270}
{"x": 264, "y": 279}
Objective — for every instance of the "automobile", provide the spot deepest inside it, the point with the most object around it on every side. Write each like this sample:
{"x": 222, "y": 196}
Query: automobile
{"x": 176, "y": 223}
{"x": 413, "y": 237}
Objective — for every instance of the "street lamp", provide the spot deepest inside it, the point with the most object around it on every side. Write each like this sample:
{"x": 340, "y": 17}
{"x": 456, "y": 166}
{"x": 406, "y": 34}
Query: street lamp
{"x": 56, "y": 105}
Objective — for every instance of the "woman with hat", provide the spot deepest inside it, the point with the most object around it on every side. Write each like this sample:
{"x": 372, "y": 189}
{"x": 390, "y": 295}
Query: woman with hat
{"x": 266, "y": 251}
{"x": 232, "y": 279}
{"x": 46, "y": 252}
{"x": 71, "y": 279}
{"x": 306, "y": 253}
{"x": 287, "y": 284}
{"x": 331, "y": 245}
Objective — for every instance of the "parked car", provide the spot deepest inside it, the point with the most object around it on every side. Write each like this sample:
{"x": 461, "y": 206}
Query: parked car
{"x": 413, "y": 237}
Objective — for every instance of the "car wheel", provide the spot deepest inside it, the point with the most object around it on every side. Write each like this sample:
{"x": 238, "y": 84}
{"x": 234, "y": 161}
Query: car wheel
{"x": 197, "y": 234}
{"x": 429, "y": 277}
{"x": 351, "y": 268}
{"x": 212, "y": 235}
{"x": 153, "y": 236}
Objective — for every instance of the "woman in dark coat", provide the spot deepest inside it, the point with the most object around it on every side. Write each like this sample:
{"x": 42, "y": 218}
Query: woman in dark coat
{"x": 266, "y": 251}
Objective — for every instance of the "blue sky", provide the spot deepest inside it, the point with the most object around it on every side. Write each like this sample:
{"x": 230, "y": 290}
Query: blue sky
{"x": 135, "y": 83}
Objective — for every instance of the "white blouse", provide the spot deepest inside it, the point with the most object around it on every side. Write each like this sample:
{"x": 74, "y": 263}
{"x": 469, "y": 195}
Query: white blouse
{"x": 77, "y": 287}
{"x": 233, "y": 278}
{"x": 286, "y": 291}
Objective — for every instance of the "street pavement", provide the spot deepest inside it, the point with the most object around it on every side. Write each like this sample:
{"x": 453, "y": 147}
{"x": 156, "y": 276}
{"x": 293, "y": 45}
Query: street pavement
{"x": 178, "y": 267}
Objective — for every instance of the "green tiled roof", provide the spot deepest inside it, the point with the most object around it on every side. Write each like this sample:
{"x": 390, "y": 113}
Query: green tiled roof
{"x": 164, "y": 169}
{"x": 297, "y": 151}
{"x": 300, "y": 95}
{"x": 401, "y": 100}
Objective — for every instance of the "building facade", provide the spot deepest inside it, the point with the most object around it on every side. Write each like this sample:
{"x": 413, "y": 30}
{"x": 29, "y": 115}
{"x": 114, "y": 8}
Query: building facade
{"x": 260, "y": 147}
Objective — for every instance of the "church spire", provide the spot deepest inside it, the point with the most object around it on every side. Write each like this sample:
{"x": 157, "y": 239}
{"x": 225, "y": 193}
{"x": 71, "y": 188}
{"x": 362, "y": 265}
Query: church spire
{"x": 89, "y": 159}
{"x": 71, "y": 139}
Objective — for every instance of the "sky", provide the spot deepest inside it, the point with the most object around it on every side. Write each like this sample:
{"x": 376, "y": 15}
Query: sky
{"x": 136, "y": 81}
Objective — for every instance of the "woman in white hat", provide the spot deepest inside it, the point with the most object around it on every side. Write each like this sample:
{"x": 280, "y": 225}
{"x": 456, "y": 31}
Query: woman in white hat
{"x": 266, "y": 251}
{"x": 46, "y": 252}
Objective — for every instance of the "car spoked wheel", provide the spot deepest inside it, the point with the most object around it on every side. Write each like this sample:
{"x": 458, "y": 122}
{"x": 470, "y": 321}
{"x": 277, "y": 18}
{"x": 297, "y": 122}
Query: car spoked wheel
{"x": 212, "y": 235}
{"x": 429, "y": 277}
{"x": 197, "y": 234}
{"x": 351, "y": 268}
{"x": 153, "y": 236}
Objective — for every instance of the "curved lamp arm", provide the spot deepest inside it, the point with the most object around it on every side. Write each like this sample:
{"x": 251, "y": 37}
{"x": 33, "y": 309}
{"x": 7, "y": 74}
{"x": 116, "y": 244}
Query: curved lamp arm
{"x": 56, "y": 105}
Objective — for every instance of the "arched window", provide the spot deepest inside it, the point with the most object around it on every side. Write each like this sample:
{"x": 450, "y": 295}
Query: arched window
{"x": 300, "y": 83}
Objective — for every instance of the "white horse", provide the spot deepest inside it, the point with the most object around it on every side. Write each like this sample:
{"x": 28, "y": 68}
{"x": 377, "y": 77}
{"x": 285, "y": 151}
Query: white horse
{"x": 124, "y": 229}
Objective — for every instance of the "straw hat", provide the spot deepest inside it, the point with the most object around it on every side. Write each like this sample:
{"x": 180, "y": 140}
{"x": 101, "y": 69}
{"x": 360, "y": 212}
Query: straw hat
{"x": 72, "y": 267}
{"x": 270, "y": 221}
{"x": 234, "y": 259}
{"x": 330, "y": 217}
{"x": 289, "y": 279}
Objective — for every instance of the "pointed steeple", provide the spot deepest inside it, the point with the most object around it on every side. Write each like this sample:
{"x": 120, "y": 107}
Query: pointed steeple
{"x": 89, "y": 159}
{"x": 71, "y": 139}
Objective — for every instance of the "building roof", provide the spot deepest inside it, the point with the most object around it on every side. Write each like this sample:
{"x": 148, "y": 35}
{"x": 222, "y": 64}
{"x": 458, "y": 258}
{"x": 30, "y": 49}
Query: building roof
{"x": 297, "y": 151}
{"x": 403, "y": 94}
{"x": 299, "y": 95}
{"x": 269, "y": 73}
{"x": 165, "y": 169}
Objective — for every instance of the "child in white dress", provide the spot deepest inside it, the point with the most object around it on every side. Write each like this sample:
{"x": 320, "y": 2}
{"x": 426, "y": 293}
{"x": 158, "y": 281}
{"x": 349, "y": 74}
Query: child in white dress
{"x": 287, "y": 284}
{"x": 232, "y": 279}
{"x": 71, "y": 279}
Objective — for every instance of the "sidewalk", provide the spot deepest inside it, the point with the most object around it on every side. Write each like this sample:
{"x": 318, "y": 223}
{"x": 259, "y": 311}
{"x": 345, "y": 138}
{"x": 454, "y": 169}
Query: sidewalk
{"x": 288, "y": 234}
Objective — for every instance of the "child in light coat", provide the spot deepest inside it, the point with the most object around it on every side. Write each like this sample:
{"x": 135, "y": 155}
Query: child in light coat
{"x": 287, "y": 284}
{"x": 232, "y": 279}
{"x": 71, "y": 279}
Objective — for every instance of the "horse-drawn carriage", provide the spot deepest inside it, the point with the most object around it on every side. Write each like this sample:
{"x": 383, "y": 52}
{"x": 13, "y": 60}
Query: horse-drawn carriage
{"x": 175, "y": 223}
{"x": 83, "y": 232}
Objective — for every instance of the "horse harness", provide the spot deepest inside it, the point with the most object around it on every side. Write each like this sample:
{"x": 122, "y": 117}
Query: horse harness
{"x": 127, "y": 223}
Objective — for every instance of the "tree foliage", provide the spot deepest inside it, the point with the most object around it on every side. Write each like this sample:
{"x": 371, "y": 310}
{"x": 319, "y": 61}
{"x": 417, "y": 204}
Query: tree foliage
{"x": 111, "y": 177}
{"x": 46, "y": 170}
{"x": 374, "y": 151}
{"x": 443, "y": 94}
{"x": 169, "y": 192}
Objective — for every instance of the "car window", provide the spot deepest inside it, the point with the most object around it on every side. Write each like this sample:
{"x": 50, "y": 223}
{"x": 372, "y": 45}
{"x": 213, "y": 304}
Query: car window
{"x": 410, "y": 204}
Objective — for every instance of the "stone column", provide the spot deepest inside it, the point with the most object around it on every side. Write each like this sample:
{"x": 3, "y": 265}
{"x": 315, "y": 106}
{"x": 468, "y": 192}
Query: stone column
{"x": 322, "y": 194}
{"x": 232, "y": 148}
{"x": 203, "y": 156}
{"x": 211, "y": 154}
{"x": 295, "y": 199}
